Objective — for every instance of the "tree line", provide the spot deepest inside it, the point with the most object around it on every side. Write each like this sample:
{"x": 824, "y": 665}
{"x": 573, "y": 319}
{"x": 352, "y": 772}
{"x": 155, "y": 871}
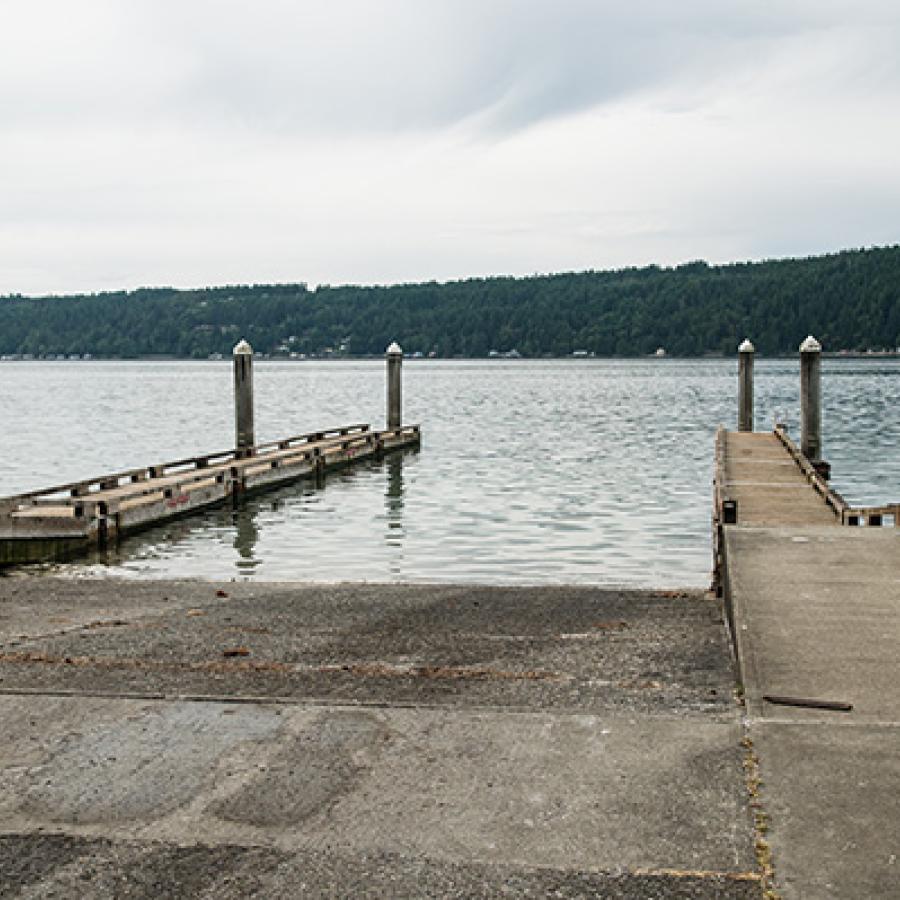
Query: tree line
{"x": 849, "y": 300}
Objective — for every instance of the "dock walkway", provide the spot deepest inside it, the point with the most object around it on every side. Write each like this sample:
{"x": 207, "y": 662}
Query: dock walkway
{"x": 766, "y": 484}
{"x": 815, "y": 611}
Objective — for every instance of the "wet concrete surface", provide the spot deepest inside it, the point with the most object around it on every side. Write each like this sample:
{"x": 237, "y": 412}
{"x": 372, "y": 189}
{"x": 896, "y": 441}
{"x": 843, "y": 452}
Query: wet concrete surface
{"x": 194, "y": 739}
{"x": 557, "y": 647}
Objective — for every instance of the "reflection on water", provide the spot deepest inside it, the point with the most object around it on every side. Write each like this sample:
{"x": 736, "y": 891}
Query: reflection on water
{"x": 592, "y": 471}
{"x": 393, "y": 505}
{"x": 266, "y": 527}
{"x": 246, "y": 535}
{"x": 393, "y": 500}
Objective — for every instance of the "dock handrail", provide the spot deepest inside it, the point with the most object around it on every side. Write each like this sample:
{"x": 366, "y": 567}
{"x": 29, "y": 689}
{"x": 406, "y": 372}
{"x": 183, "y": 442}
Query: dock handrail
{"x": 848, "y": 514}
{"x": 82, "y": 490}
{"x": 166, "y": 486}
{"x": 832, "y": 498}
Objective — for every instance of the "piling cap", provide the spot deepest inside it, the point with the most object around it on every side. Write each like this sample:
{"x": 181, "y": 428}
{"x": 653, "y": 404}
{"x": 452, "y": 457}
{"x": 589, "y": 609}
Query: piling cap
{"x": 746, "y": 347}
{"x": 394, "y": 350}
{"x": 242, "y": 347}
{"x": 810, "y": 345}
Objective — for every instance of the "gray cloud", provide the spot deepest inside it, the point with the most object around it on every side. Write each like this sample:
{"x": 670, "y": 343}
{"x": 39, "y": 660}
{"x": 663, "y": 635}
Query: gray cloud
{"x": 157, "y": 141}
{"x": 357, "y": 66}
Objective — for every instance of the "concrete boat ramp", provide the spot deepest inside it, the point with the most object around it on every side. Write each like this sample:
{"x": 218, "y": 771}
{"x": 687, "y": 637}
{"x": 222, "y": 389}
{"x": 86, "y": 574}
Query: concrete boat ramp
{"x": 231, "y": 740}
{"x": 175, "y": 739}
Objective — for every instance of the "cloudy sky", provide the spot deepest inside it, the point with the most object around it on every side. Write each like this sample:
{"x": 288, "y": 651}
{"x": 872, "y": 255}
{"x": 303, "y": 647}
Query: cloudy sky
{"x": 194, "y": 142}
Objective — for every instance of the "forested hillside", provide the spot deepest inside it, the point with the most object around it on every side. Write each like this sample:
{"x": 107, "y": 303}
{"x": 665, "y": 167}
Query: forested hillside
{"x": 849, "y": 300}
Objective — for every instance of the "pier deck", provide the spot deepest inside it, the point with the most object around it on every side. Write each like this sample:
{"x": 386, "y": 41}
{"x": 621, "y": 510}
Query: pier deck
{"x": 766, "y": 483}
{"x": 815, "y": 613}
{"x": 59, "y": 521}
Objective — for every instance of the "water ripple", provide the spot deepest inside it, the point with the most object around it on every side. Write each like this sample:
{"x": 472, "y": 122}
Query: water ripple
{"x": 530, "y": 472}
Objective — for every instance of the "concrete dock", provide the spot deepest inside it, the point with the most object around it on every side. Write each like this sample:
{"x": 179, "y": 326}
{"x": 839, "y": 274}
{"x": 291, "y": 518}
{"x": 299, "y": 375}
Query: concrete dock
{"x": 231, "y": 740}
{"x": 815, "y": 608}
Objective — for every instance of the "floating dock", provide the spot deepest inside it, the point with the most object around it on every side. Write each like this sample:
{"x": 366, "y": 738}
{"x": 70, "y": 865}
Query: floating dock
{"x": 812, "y": 591}
{"x": 62, "y": 521}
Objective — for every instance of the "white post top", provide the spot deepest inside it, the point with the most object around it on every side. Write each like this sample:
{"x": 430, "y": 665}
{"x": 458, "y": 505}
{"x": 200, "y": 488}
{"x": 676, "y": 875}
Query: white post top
{"x": 810, "y": 345}
{"x": 394, "y": 350}
{"x": 242, "y": 347}
{"x": 746, "y": 347}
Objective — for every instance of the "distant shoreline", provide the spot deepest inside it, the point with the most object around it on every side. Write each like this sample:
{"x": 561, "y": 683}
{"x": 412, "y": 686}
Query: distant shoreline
{"x": 263, "y": 357}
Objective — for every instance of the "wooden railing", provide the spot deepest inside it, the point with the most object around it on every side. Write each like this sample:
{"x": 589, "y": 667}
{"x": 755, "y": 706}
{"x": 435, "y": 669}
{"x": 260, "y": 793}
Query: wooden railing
{"x": 831, "y": 497}
{"x": 80, "y": 491}
{"x": 848, "y": 515}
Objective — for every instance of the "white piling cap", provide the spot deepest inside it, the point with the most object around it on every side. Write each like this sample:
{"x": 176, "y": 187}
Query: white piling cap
{"x": 242, "y": 347}
{"x": 810, "y": 345}
{"x": 746, "y": 347}
{"x": 394, "y": 349}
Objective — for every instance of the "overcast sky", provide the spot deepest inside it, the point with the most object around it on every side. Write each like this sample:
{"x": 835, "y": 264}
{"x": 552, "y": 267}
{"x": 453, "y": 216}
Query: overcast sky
{"x": 195, "y": 142}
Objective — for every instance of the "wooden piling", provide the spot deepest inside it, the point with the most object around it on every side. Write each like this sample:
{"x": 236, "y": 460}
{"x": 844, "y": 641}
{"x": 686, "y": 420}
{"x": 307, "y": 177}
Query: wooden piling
{"x": 243, "y": 398}
{"x": 394, "y": 357}
{"x": 746, "y": 352}
{"x": 811, "y": 399}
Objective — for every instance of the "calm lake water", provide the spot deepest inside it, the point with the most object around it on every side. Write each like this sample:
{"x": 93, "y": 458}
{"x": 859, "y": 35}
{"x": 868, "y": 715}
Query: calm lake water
{"x": 588, "y": 471}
